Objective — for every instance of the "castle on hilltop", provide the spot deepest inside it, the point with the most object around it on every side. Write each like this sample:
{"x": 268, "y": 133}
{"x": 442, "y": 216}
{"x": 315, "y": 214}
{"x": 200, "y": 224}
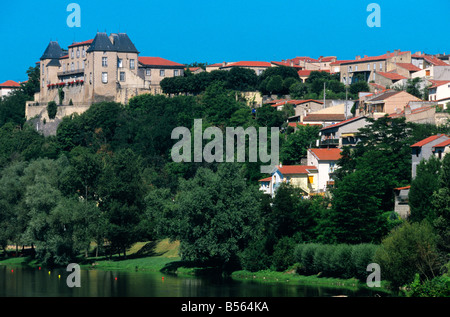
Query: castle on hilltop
{"x": 106, "y": 68}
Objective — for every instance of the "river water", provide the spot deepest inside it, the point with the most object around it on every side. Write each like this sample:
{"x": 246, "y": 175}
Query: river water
{"x": 18, "y": 281}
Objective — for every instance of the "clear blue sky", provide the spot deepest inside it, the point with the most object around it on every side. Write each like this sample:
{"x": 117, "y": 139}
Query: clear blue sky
{"x": 212, "y": 31}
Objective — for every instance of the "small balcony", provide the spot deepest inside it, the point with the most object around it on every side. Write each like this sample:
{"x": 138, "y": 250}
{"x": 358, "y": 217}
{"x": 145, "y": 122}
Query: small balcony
{"x": 329, "y": 142}
{"x": 71, "y": 72}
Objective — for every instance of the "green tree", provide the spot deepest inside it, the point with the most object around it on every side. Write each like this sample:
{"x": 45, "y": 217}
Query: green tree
{"x": 422, "y": 189}
{"x": 298, "y": 90}
{"x": 275, "y": 85}
{"x": 214, "y": 215}
{"x": 52, "y": 109}
{"x": 409, "y": 249}
{"x": 295, "y": 146}
{"x": 121, "y": 198}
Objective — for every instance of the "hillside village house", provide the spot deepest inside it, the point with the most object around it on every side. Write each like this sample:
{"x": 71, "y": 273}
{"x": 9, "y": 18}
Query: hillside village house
{"x": 364, "y": 68}
{"x": 7, "y": 87}
{"x": 423, "y": 61}
{"x": 342, "y": 134}
{"x": 425, "y": 148}
{"x": 300, "y": 176}
{"x": 385, "y": 103}
{"x": 258, "y": 67}
{"x": 301, "y": 107}
{"x": 325, "y": 119}
{"x": 325, "y": 160}
{"x": 439, "y": 92}
{"x": 437, "y": 145}
{"x": 106, "y": 68}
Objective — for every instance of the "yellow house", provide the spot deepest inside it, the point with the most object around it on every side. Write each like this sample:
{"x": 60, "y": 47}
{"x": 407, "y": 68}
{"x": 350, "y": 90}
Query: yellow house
{"x": 301, "y": 176}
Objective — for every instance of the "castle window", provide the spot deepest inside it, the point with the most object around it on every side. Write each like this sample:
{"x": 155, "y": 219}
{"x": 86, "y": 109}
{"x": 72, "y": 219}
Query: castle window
{"x": 78, "y": 53}
{"x": 104, "y": 77}
{"x": 162, "y": 73}
{"x": 105, "y": 61}
{"x": 119, "y": 63}
{"x": 122, "y": 76}
{"x": 176, "y": 72}
{"x": 148, "y": 72}
{"x": 131, "y": 63}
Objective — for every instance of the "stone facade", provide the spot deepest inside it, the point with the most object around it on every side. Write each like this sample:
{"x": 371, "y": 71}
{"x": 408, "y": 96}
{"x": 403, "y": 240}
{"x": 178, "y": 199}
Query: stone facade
{"x": 106, "y": 68}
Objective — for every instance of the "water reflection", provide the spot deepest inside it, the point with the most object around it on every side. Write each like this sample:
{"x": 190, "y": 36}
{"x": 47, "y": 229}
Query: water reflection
{"x": 34, "y": 282}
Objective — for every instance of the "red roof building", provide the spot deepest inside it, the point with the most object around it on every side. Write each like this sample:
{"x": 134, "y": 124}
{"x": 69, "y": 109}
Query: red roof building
{"x": 158, "y": 61}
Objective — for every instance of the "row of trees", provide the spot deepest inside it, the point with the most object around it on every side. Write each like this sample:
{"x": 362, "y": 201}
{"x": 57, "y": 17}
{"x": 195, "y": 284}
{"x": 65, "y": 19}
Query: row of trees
{"x": 280, "y": 80}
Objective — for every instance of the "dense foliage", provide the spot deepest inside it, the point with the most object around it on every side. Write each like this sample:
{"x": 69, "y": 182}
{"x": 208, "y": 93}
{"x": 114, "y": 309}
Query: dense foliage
{"x": 107, "y": 177}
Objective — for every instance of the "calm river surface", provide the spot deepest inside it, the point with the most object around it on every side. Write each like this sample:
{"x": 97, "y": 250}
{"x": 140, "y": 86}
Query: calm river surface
{"x": 33, "y": 282}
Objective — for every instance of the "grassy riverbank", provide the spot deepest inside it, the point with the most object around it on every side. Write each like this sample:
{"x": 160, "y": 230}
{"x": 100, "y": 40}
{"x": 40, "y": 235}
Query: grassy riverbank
{"x": 163, "y": 256}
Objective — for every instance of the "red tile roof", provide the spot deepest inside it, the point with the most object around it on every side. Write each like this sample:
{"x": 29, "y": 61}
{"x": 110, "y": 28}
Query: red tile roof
{"x": 340, "y": 62}
{"x": 248, "y": 64}
{"x": 215, "y": 65}
{"x": 295, "y": 169}
{"x": 10, "y": 83}
{"x": 293, "y": 102}
{"x": 298, "y": 102}
{"x": 307, "y": 59}
{"x": 428, "y": 140}
{"x": 329, "y": 154}
{"x": 437, "y": 83}
{"x": 342, "y": 123}
{"x": 88, "y": 42}
{"x": 287, "y": 64}
{"x": 400, "y": 188}
{"x": 409, "y": 66}
{"x": 443, "y": 144}
{"x": 435, "y": 61}
{"x": 392, "y": 76}
{"x": 327, "y": 58}
{"x": 267, "y": 179}
{"x": 374, "y": 58}
{"x": 157, "y": 61}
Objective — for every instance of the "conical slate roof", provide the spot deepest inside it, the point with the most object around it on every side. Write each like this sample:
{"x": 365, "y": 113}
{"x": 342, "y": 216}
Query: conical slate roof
{"x": 52, "y": 51}
{"x": 121, "y": 43}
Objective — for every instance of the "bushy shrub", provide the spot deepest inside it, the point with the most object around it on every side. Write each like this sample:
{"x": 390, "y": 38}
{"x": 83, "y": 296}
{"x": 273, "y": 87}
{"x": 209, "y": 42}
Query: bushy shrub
{"x": 52, "y": 109}
{"x": 436, "y": 287}
{"x": 409, "y": 249}
{"x": 362, "y": 255}
{"x": 341, "y": 260}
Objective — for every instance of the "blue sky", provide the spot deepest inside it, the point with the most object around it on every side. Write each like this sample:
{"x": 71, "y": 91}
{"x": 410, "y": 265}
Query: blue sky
{"x": 212, "y": 31}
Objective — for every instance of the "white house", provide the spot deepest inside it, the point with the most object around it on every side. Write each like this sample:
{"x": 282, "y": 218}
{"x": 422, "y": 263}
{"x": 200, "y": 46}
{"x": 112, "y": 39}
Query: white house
{"x": 326, "y": 161}
{"x": 439, "y": 91}
{"x": 7, "y": 87}
{"x": 300, "y": 176}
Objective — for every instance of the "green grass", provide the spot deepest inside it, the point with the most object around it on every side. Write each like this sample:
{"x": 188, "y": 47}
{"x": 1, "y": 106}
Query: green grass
{"x": 142, "y": 256}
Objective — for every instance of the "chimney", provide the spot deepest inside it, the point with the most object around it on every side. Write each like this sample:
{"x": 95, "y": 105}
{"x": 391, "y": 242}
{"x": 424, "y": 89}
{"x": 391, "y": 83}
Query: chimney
{"x": 388, "y": 53}
{"x": 365, "y": 56}
{"x": 224, "y": 64}
{"x": 358, "y": 57}
{"x": 292, "y": 63}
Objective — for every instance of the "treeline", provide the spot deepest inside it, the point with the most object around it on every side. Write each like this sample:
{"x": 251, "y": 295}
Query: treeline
{"x": 280, "y": 80}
